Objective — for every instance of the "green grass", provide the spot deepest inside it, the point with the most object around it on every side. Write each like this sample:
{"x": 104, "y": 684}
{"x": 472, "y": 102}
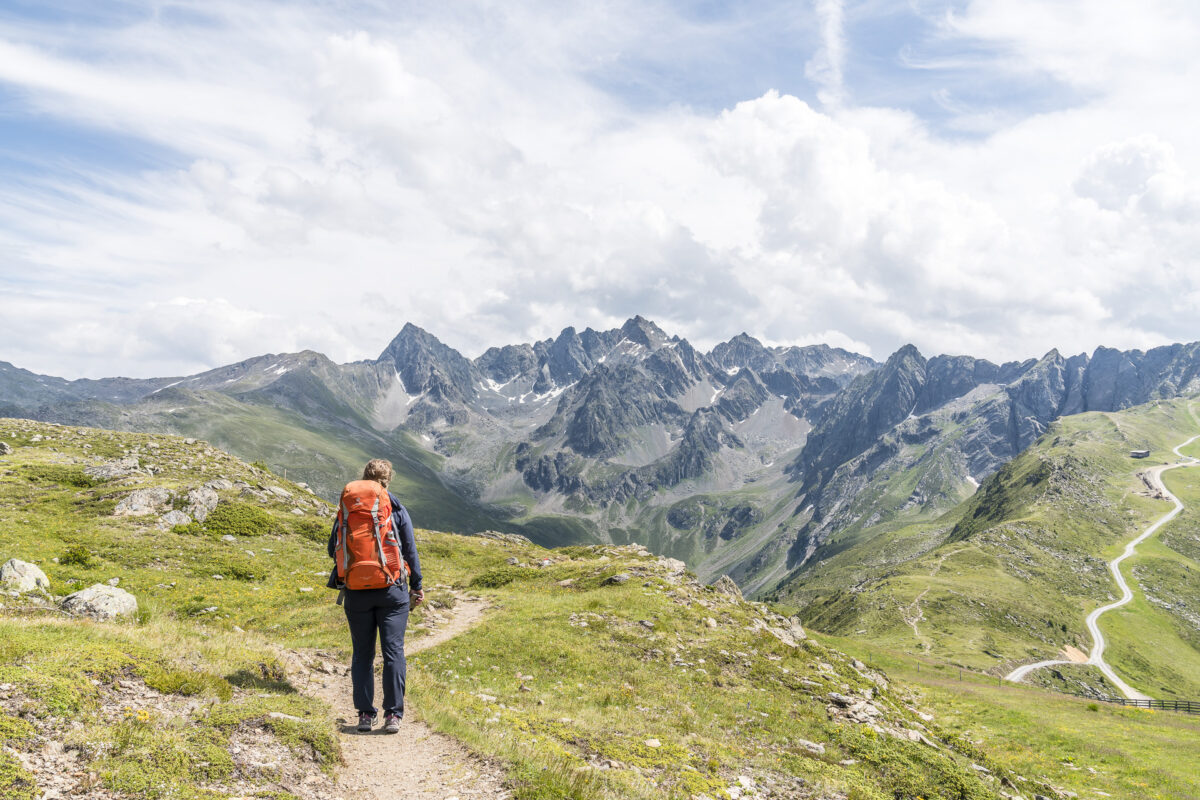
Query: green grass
{"x": 1009, "y": 575}
{"x": 550, "y": 698}
{"x": 1136, "y": 754}
{"x": 720, "y": 702}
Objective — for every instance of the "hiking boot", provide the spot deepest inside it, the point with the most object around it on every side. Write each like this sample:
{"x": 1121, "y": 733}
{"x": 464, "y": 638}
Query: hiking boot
{"x": 392, "y": 723}
{"x": 365, "y": 721}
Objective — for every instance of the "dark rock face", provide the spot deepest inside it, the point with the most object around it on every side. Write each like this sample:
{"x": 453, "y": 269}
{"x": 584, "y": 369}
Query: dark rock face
{"x": 502, "y": 364}
{"x": 697, "y": 450}
{"x": 814, "y": 361}
{"x": 425, "y": 364}
{"x": 863, "y": 428}
{"x": 743, "y": 396}
{"x": 566, "y": 361}
{"x": 711, "y": 520}
{"x": 874, "y": 403}
{"x": 611, "y": 402}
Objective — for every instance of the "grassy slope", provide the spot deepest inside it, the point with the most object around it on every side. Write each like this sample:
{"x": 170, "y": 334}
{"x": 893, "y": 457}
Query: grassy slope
{"x": 723, "y": 703}
{"x": 1051, "y": 737}
{"x": 1010, "y": 574}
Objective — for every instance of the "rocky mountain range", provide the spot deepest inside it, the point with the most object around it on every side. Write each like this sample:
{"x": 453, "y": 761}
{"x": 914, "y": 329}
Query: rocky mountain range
{"x": 749, "y": 460}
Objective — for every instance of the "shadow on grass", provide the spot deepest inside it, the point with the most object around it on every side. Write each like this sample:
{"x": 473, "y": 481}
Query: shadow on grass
{"x": 265, "y": 677}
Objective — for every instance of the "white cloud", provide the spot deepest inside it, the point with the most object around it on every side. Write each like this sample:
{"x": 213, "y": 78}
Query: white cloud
{"x": 327, "y": 179}
{"x": 826, "y": 65}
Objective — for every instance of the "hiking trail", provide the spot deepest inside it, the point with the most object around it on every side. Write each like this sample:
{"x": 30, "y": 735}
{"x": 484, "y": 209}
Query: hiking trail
{"x": 1096, "y": 658}
{"x": 417, "y": 763}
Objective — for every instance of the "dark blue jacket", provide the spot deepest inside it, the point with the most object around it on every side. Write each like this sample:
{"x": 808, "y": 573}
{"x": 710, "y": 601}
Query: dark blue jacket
{"x": 402, "y": 524}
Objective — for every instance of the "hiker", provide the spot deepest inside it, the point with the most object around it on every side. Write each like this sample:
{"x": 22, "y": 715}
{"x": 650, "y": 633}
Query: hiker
{"x": 376, "y": 567}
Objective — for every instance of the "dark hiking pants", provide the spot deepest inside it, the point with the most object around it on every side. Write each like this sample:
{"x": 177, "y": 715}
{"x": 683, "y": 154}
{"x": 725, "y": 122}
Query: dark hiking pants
{"x": 382, "y": 611}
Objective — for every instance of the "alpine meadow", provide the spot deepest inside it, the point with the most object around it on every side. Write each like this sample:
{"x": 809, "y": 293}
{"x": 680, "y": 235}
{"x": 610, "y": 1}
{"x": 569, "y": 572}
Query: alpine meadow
{"x": 539, "y": 401}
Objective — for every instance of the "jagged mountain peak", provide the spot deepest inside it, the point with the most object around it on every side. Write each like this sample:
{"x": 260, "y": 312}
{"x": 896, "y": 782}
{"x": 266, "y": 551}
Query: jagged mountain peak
{"x": 640, "y": 330}
{"x": 425, "y": 364}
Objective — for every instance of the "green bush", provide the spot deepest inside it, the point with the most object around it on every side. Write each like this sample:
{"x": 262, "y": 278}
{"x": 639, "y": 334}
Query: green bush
{"x": 15, "y": 782}
{"x": 239, "y": 519}
{"x": 495, "y": 578}
{"x": 79, "y": 556}
{"x": 63, "y": 476}
{"x": 315, "y": 530}
{"x": 186, "y": 682}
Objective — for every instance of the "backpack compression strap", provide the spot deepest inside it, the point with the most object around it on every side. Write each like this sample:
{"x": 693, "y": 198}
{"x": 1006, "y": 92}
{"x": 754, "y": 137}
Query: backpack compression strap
{"x": 379, "y": 541}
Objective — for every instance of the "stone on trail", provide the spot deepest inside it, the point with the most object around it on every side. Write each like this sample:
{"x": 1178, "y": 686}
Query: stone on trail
{"x": 21, "y": 576}
{"x": 101, "y": 602}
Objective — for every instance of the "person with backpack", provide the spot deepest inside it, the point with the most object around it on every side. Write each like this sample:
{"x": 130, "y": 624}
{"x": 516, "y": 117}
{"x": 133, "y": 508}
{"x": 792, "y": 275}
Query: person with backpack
{"x": 377, "y": 569}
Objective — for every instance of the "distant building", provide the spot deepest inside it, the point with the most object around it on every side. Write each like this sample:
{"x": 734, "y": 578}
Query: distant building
{"x": 1139, "y": 453}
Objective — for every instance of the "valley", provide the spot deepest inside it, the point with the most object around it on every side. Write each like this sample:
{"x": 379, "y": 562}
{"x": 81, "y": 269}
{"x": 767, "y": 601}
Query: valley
{"x": 631, "y": 678}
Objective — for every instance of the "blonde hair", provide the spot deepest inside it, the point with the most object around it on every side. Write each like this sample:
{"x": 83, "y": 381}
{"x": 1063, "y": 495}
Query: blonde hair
{"x": 378, "y": 470}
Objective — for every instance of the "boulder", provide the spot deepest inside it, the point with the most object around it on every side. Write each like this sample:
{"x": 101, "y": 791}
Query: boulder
{"x": 220, "y": 484}
{"x": 5, "y": 449}
{"x": 173, "y": 518}
{"x": 113, "y": 469}
{"x": 201, "y": 502}
{"x": 619, "y": 578}
{"x": 141, "y": 502}
{"x": 726, "y": 585}
{"x": 21, "y": 576}
{"x": 101, "y": 602}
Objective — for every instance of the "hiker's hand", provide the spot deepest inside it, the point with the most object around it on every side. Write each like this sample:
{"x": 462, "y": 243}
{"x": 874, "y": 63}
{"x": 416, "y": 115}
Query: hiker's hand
{"x": 417, "y": 597}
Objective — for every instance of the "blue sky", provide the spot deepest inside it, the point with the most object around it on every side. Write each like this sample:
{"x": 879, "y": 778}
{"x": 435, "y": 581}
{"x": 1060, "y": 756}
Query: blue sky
{"x": 186, "y": 184}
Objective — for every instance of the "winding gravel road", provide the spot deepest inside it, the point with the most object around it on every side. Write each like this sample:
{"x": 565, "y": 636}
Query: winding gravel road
{"x": 1097, "y": 655}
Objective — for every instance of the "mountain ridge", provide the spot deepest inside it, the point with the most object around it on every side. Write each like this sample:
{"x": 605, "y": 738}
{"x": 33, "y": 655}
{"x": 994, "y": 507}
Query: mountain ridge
{"x": 608, "y": 436}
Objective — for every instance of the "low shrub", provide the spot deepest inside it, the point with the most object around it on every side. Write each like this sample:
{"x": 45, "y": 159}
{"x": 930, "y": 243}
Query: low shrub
{"x": 239, "y": 519}
{"x": 79, "y": 556}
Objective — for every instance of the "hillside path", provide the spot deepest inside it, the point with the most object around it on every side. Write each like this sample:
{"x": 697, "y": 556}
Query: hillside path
{"x": 1097, "y": 655}
{"x": 417, "y": 763}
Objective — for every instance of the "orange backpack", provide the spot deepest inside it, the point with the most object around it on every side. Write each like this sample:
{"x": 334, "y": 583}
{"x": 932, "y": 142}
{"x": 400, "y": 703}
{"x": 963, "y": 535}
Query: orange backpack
{"x": 368, "y": 548}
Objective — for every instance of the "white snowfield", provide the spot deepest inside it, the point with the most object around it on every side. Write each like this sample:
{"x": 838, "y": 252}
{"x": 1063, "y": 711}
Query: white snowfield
{"x": 1097, "y": 655}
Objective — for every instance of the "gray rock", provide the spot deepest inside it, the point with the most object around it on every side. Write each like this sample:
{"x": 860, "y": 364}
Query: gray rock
{"x": 141, "y": 502}
{"x": 840, "y": 700}
{"x": 812, "y": 747}
{"x": 619, "y": 578}
{"x": 5, "y": 449}
{"x": 220, "y": 484}
{"x": 101, "y": 602}
{"x": 113, "y": 469}
{"x": 201, "y": 502}
{"x": 173, "y": 518}
{"x": 279, "y": 492}
{"x": 299, "y": 512}
{"x": 21, "y": 576}
{"x": 726, "y": 585}
{"x": 228, "y": 538}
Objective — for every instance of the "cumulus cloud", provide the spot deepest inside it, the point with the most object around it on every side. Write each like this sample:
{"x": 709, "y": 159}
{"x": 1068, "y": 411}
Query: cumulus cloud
{"x": 319, "y": 180}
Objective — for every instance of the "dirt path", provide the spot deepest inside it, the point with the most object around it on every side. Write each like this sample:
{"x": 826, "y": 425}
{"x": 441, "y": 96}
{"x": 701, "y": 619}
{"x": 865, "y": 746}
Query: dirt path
{"x": 1096, "y": 658}
{"x": 417, "y": 763}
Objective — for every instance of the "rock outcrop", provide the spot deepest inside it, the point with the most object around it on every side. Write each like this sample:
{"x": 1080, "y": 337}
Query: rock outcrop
{"x": 101, "y": 601}
{"x": 21, "y": 576}
{"x": 142, "y": 502}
